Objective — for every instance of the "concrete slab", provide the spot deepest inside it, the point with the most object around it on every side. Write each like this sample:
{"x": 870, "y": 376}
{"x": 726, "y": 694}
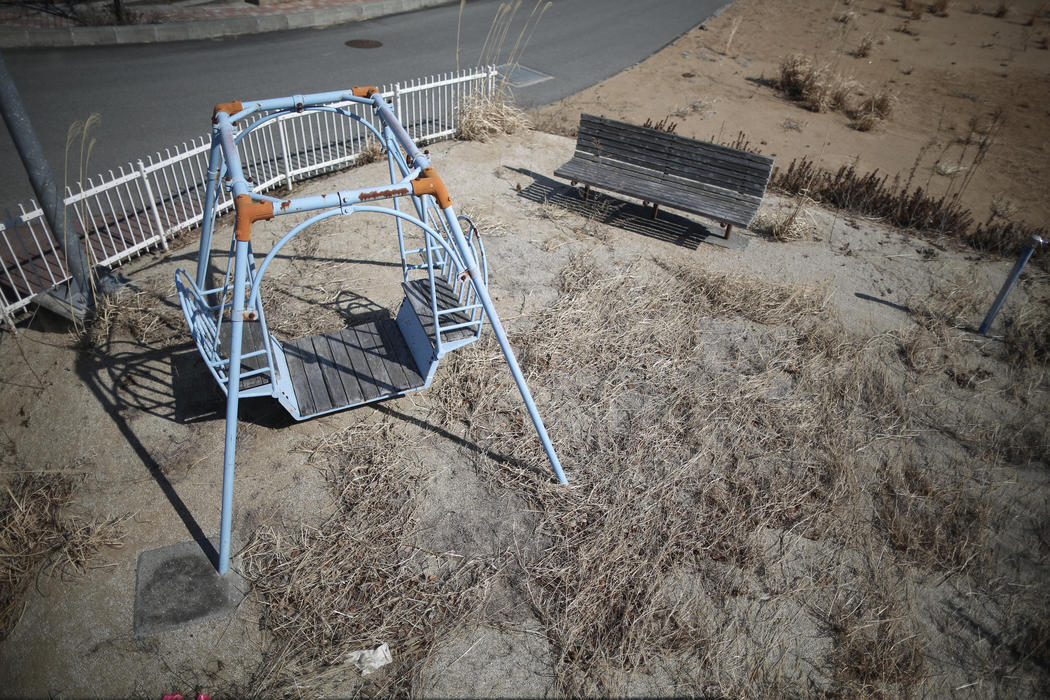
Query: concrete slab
{"x": 178, "y": 586}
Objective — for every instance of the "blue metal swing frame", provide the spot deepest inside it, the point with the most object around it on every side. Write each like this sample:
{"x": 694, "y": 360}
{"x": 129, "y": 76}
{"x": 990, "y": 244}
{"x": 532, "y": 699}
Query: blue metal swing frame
{"x": 445, "y": 307}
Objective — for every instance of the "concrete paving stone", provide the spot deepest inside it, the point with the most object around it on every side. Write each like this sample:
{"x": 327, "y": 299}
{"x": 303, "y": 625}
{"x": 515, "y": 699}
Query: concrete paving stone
{"x": 178, "y": 586}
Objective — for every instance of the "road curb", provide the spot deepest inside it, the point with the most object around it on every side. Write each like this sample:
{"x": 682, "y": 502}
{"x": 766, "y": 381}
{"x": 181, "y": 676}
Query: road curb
{"x": 29, "y": 37}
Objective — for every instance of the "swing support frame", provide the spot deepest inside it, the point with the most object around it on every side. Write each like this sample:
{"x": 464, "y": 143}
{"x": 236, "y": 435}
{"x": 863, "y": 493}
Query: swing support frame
{"x": 237, "y": 302}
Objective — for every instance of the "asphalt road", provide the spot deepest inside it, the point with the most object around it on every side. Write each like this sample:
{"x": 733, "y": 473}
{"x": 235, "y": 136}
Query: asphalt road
{"x": 157, "y": 95}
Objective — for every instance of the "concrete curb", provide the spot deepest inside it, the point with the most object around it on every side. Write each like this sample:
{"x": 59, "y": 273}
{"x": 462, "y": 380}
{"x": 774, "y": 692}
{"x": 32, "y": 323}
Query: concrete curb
{"x": 29, "y": 37}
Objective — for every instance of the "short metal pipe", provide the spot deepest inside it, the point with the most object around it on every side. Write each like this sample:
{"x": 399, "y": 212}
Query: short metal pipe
{"x": 1011, "y": 280}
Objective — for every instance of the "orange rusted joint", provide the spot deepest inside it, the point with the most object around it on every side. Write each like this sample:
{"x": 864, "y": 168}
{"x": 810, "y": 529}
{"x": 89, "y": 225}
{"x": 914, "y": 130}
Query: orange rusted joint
{"x": 366, "y": 91}
{"x": 230, "y": 108}
{"x": 248, "y": 212}
{"x": 430, "y": 183}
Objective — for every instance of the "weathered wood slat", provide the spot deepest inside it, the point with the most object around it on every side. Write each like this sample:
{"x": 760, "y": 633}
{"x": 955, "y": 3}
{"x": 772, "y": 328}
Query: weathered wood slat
{"x": 597, "y": 166}
{"x": 686, "y": 157}
{"x": 713, "y": 149}
{"x": 311, "y": 382}
{"x": 372, "y": 346}
{"x": 251, "y": 341}
{"x": 347, "y": 374}
{"x": 722, "y": 206}
{"x": 358, "y": 365}
{"x": 334, "y": 370}
{"x": 418, "y": 294}
{"x": 679, "y": 157}
{"x": 670, "y": 170}
{"x": 331, "y": 371}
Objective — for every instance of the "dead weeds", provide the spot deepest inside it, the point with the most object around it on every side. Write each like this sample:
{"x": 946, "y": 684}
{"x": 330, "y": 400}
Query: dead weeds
{"x": 37, "y": 537}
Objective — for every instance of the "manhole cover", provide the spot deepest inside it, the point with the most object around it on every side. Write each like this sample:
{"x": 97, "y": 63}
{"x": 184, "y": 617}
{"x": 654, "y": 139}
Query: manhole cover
{"x": 364, "y": 44}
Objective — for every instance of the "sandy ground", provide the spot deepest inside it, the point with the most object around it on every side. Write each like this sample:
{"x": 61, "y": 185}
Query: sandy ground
{"x": 138, "y": 422}
{"x": 944, "y": 71}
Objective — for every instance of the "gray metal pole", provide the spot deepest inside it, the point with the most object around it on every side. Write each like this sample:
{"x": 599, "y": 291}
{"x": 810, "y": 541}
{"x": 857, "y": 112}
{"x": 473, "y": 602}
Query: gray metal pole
{"x": 81, "y": 291}
{"x": 1011, "y": 280}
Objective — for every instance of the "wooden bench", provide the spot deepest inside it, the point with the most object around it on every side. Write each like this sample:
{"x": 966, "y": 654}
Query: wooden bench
{"x": 725, "y": 184}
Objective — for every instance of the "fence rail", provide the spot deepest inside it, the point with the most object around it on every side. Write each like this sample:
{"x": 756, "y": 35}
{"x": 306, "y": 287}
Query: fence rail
{"x": 141, "y": 206}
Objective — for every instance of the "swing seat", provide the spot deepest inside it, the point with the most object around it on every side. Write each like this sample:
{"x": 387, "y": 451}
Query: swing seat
{"x": 332, "y": 371}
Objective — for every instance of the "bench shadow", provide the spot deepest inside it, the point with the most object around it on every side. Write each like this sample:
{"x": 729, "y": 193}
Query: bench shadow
{"x": 668, "y": 227}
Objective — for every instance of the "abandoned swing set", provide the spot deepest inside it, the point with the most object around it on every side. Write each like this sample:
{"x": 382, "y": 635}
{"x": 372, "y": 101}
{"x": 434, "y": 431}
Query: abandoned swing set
{"x": 444, "y": 278}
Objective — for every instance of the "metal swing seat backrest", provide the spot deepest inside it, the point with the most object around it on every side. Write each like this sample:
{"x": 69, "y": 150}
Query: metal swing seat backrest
{"x": 444, "y": 279}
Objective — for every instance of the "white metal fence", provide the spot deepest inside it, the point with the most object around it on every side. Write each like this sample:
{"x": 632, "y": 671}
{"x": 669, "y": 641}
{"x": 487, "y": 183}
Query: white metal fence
{"x": 141, "y": 206}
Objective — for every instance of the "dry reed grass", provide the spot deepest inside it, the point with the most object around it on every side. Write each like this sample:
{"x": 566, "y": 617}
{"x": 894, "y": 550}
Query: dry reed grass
{"x": 816, "y": 86}
{"x": 484, "y": 116}
{"x": 38, "y": 538}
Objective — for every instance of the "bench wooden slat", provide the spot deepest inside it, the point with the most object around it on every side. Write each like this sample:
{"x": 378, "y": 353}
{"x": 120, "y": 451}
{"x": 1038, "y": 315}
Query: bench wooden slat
{"x": 601, "y": 127}
{"x": 598, "y": 165}
{"x": 695, "y": 160}
{"x": 667, "y": 169}
{"x": 698, "y": 198}
{"x": 733, "y": 211}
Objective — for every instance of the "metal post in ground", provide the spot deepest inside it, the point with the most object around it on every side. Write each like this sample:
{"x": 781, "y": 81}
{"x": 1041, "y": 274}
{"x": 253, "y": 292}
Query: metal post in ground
{"x": 1011, "y": 280}
{"x": 81, "y": 290}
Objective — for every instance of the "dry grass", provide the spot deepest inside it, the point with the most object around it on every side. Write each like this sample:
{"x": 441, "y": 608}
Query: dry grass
{"x": 37, "y": 537}
{"x": 484, "y": 116}
{"x": 148, "y": 312}
{"x": 940, "y": 527}
{"x": 370, "y": 152}
{"x": 678, "y": 462}
{"x": 794, "y": 225}
{"x": 816, "y": 86}
{"x": 710, "y": 414}
{"x": 864, "y": 48}
{"x": 873, "y": 110}
{"x": 357, "y": 579}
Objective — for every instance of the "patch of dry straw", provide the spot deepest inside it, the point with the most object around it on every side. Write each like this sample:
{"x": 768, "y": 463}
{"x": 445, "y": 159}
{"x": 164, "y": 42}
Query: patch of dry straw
{"x": 37, "y": 537}
{"x": 358, "y": 579}
{"x": 706, "y": 409}
{"x": 483, "y": 116}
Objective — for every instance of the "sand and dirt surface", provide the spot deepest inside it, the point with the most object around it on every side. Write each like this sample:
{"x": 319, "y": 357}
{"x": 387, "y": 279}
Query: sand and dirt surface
{"x": 796, "y": 469}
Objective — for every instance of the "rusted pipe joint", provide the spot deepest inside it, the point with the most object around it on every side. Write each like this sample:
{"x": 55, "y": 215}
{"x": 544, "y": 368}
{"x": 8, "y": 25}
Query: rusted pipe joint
{"x": 248, "y": 212}
{"x": 366, "y": 91}
{"x": 429, "y": 182}
{"x": 230, "y": 108}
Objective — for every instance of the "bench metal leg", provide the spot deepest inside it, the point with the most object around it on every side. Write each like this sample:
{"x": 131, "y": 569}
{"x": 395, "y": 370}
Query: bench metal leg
{"x": 656, "y": 210}
{"x": 729, "y": 229}
{"x": 586, "y": 192}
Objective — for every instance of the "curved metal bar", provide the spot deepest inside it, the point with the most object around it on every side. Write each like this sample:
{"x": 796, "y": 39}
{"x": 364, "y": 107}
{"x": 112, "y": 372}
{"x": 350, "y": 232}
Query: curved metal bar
{"x": 250, "y": 107}
{"x": 320, "y": 108}
{"x": 257, "y": 282}
{"x": 413, "y": 220}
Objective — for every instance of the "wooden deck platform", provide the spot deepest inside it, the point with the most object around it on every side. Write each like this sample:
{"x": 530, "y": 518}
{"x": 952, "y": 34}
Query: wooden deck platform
{"x": 334, "y": 370}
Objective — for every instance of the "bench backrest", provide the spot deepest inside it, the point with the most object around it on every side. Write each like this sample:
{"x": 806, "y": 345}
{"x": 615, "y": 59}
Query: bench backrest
{"x": 670, "y": 154}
